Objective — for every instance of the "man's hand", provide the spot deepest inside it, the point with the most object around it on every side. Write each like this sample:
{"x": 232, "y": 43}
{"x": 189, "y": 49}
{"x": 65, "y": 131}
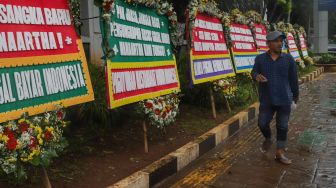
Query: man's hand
{"x": 261, "y": 78}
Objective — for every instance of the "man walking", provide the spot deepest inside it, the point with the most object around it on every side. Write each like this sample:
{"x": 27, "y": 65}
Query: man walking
{"x": 278, "y": 87}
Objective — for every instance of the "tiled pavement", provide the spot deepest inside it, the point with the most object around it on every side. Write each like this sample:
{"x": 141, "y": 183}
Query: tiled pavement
{"x": 312, "y": 146}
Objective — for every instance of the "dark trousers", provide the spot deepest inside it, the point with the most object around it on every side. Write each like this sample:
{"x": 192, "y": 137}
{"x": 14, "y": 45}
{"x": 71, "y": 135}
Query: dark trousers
{"x": 266, "y": 113}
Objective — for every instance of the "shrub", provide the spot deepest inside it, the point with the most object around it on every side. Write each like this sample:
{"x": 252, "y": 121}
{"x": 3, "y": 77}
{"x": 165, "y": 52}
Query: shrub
{"x": 327, "y": 59}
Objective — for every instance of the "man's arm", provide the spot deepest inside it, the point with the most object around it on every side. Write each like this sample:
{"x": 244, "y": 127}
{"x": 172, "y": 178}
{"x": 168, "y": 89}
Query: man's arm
{"x": 256, "y": 69}
{"x": 293, "y": 79}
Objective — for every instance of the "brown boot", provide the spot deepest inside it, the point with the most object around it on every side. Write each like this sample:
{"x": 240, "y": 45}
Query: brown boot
{"x": 266, "y": 146}
{"x": 280, "y": 157}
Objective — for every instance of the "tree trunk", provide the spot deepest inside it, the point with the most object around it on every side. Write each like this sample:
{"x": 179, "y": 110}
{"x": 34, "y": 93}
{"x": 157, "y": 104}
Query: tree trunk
{"x": 264, "y": 9}
{"x": 213, "y": 105}
{"x": 289, "y": 10}
{"x": 144, "y": 127}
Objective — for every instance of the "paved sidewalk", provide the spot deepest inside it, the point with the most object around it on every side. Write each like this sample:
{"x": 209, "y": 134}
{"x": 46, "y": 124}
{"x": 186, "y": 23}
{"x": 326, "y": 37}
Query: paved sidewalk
{"x": 312, "y": 146}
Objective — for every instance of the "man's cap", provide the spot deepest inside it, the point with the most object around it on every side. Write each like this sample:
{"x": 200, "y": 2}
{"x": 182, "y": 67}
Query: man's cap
{"x": 274, "y": 35}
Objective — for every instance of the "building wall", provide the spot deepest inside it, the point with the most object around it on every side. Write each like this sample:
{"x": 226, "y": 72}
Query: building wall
{"x": 320, "y": 36}
{"x": 90, "y": 31}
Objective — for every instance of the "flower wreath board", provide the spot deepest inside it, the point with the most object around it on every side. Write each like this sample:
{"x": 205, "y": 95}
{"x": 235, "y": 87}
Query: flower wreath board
{"x": 243, "y": 48}
{"x": 210, "y": 57}
{"x": 143, "y": 65}
{"x": 292, "y": 47}
{"x": 285, "y": 46}
{"x": 261, "y": 33}
{"x": 42, "y": 60}
{"x": 303, "y": 45}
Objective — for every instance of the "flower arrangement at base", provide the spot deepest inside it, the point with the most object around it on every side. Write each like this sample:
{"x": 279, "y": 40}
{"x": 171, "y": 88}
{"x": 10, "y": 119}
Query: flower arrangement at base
{"x": 309, "y": 61}
{"x": 161, "y": 111}
{"x": 301, "y": 63}
{"x": 247, "y": 75}
{"x": 227, "y": 86}
{"x": 31, "y": 141}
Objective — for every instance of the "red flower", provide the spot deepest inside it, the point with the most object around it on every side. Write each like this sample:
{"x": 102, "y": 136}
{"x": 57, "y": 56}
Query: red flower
{"x": 107, "y": 7}
{"x": 33, "y": 143}
{"x": 12, "y": 143}
{"x": 23, "y": 126}
{"x": 9, "y": 133}
{"x": 48, "y": 135}
{"x": 60, "y": 114}
{"x": 169, "y": 13}
{"x": 164, "y": 115}
{"x": 157, "y": 111}
{"x": 149, "y": 105}
{"x": 168, "y": 109}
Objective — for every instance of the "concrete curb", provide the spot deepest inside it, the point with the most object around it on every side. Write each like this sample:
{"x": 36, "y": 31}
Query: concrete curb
{"x": 177, "y": 160}
{"x": 311, "y": 76}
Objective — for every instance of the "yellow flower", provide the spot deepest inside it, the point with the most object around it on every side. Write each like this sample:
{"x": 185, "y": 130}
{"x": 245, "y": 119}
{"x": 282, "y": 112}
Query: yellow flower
{"x": 230, "y": 90}
{"x": 50, "y": 129}
{"x": 40, "y": 140}
{"x": 38, "y": 129}
{"x": 4, "y": 138}
{"x": 19, "y": 144}
{"x": 24, "y": 159}
{"x": 9, "y": 125}
{"x": 34, "y": 153}
{"x": 204, "y": 1}
{"x": 64, "y": 124}
{"x": 11, "y": 160}
{"x": 21, "y": 120}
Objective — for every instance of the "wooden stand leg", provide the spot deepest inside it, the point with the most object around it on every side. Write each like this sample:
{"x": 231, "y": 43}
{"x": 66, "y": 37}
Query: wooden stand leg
{"x": 144, "y": 126}
{"x": 228, "y": 107}
{"x": 46, "y": 178}
{"x": 213, "y": 106}
{"x": 257, "y": 89}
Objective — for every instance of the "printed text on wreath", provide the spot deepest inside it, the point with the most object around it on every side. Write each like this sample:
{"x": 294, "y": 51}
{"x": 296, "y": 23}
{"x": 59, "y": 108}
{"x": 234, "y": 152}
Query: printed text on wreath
{"x": 145, "y": 37}
{"x": 37, "y": 82}
{"x": 33, "y": 40}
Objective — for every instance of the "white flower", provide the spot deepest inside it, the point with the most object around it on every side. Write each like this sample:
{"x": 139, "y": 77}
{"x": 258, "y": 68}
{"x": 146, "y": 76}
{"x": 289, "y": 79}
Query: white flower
{"x": 2, "y": 146}
{"x": 107, "y": 17}
{"x": 37, "y": 119}
{"x": 14, "y": 125}
{"x": 25, "y": 136}
{"x": 47, "y": 117}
